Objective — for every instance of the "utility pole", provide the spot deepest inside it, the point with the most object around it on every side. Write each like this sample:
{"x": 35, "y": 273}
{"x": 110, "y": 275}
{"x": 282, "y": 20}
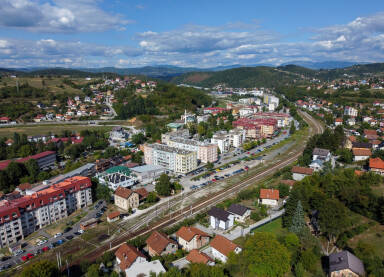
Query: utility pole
{"x": 67, "y": 267}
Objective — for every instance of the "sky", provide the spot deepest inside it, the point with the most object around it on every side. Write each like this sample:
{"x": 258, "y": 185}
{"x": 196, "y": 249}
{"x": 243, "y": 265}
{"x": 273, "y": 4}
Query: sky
{"x": 188, "y": 33}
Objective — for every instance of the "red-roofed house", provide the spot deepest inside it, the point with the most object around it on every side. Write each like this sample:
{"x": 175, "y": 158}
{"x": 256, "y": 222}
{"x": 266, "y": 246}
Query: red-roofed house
{"x": 221, "y": 247}
{"x": 338, "y": 121}
{"x": 191, "y": 238}
{"x": 4, "y": 119}
{"x": 299, "y": 173}
{"x": 376, "y": 165}
{"x": 197, "y": 257}
{"x": 269, "y": 197}
{"x": 159, "y": 244}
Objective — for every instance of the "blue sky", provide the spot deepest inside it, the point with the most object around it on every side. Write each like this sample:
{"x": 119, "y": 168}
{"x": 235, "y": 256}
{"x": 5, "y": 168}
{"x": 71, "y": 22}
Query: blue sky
{"x": 127, "y": 33}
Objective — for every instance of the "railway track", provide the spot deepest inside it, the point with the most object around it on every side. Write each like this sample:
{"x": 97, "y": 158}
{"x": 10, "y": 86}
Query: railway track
{"x": 207, "y": 201}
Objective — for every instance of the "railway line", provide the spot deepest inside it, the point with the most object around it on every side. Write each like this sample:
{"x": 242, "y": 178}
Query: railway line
{"x": 206, "y": 202}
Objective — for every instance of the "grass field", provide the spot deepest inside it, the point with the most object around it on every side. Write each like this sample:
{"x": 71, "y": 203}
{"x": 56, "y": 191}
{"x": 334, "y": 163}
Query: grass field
{"x": 374, "y": 237}
{"x": 54, "y": 84}
{"x": 46, "y": 129}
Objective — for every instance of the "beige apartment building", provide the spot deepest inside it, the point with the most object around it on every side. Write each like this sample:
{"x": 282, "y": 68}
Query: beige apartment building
{"x": 126, "y": 198}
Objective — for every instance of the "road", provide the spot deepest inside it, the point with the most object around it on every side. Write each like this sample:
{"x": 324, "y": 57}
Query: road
{"x": 209, "y": 200}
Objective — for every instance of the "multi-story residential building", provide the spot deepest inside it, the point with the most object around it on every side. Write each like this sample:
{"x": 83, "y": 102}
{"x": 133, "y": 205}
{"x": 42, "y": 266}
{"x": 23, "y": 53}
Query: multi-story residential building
{"x": 171, "y": 158}
{"x": 350, "y": 111}
{"x": 256, "y": 127}
{"x": 26, "y": 214}
{"x": 237, "y": 137}
{"x": 45, "y": 160}
{"x": 270, "y": 99}
{"x": 205, "y": 152}
{"x": 221, "y": 139}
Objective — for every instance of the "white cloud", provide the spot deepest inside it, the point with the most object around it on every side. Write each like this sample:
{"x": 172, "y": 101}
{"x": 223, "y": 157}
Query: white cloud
{"x": 58, "y": 16}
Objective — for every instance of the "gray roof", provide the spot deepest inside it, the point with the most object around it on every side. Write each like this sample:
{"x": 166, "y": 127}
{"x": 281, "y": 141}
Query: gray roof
{"x": 219, "y": 213}
{"x": 346, "y": 260}
{"x": 320, "y": 152}
{"x": 237, "y": 209}
{"x": 146, "y": 168}
{"x": 362, "y": 145}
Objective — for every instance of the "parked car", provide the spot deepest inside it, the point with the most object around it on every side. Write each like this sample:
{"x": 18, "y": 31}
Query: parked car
{"x": 69, "y": 237}
{"x": 18, "y": 252}
{"x": 66, "y": 230}
{"x": 45, "y": 249}
{"x": 80, "y": 231}
{"x": 58, "y": 235}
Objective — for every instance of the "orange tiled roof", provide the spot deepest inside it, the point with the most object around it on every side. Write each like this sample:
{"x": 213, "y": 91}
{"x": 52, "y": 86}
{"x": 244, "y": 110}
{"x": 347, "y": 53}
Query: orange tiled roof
{"x": 223, "y": 245}
{"x": 198, "y": 257}
{"x": 158, "y": 242}
{"x": 376, "y": 163}
{"x": 361, "y": 152}
{"x": 269, "y": 194}
{"x": 188, "y": 233}
{"x": 127, "y": 255}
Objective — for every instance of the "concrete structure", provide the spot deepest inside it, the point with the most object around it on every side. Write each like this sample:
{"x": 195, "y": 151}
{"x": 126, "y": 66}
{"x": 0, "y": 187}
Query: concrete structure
{"x": 321, "y": 154}
{"x": 26, "y": 214}
{"x": 221, "y": 247}
{"x": 350, "y": 111}
{"x": 191, "y": 238}
{"x": 147, "y": 173}
{"x": 89, "y": 224}
{"x": 256, "y": 127}
{"x": 205, "y": 152}
{"x": 117, "y": 176}
{"x": 221, "y": 139}
{"x": 237, "y": 137}
{"x": 220, "y": 219}
{"x": 171, "y": 158}
{"x": 126, "y": 199}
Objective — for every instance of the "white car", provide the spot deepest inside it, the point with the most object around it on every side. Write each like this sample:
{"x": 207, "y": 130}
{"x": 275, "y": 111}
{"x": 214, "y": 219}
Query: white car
{"x": 81, "y": 231}
{"x": 58, "y": 235}
{"x": 41, "y": 242}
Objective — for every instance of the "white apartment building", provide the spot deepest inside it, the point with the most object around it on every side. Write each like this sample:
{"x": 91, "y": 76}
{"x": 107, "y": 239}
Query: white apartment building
{"x": 205, "y": 152}
{"x": 350, "y": 111}
{"x": 24, "y": 215}
{"x": 171, "y": 158}
{"x": 237, "y": 137}
{"x": 221, "y": 139}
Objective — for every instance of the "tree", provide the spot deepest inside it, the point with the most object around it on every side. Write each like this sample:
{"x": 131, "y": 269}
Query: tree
{"x": 138, "y": 138}
{"x": 163, "y": 185}
{"x": 103, "y": 192}
{"x": 283, "y": 190}
{"x": 292, "y": 129}
{"x": 41, "y": 268}
{"x": 298, "y": 221}
{"x": 15, "y": 172}
{"x": 209, "y": 166}
{"x": 262, "y": 255}
{"x": 32, "y": 168}
{"x": 93, "y": 271}
{"x": 151, "y": 198}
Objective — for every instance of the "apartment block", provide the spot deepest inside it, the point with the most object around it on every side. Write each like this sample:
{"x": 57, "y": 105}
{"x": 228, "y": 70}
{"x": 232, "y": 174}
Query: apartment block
{"x": 171, "y": 158}
{"x": 26, "y": 214}
{"x": 205, "y": 152}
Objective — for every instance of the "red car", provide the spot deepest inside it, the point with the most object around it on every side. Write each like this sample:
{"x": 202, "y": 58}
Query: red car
{"x": 44, "y": 249}
{"x": 27, "y": 257}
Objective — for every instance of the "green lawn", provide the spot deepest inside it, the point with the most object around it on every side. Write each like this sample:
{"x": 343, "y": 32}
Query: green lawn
{"x": 275, "y": 227}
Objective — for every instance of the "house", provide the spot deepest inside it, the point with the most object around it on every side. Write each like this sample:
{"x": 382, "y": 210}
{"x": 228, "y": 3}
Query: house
{"x": 159, "y": 244}
{"x": 299, "y": 173}
{"x": 113, "y": 216}
{"x": 4, "y": 120}
{"x": 197, "y": 257}
{"x": 317, "y": 165}
{"x": 370, "y": 134}
{"x": 345, "y": 263}
{"x": 269, "y": 197}
{"x": 376, "y": 165}
{"x": 361, "y": 145}
{"x": 220, "y": 219}
{"x": 126, "y": 199}
{"x": 131, "y": 261}
{"x": 361, "y": 154}
{"x": 338, "y": 121}
{"x": 240, "y": 212}
{"x": 351, "y": 121}
{"x": 191, "y": 238}
{"x": 221, "y": 247}
{"x": 321, "y": 154}
{"x": 143, "y": 193}
{"x": 289, "y": 183}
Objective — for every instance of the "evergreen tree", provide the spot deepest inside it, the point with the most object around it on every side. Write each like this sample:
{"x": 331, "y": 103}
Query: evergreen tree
{"x": 292, "y": 130}
{"x": 298, "y": 222}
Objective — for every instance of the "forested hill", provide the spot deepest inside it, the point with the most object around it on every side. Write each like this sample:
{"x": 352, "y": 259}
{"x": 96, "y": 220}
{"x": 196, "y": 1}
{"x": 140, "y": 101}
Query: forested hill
{"x": 275, "y": 76}
{"x": 239, "y": 77}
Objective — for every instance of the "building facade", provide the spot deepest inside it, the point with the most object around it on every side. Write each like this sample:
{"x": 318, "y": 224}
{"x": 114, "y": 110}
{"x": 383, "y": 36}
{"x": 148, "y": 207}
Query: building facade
{"x": 24, "y": 215}
{"x": 171, "y": 158}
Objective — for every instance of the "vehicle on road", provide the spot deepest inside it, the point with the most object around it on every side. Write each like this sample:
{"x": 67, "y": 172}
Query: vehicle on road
{"x": 45, "y": 249}
{"x": 27, "y": 257}
{"x": 18, "y": 252}
{"x": 58, "y": 235}
{"x": 80, "y": 231}
{"x": 66, "y": 230}
{"x": 69, "y": 237}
